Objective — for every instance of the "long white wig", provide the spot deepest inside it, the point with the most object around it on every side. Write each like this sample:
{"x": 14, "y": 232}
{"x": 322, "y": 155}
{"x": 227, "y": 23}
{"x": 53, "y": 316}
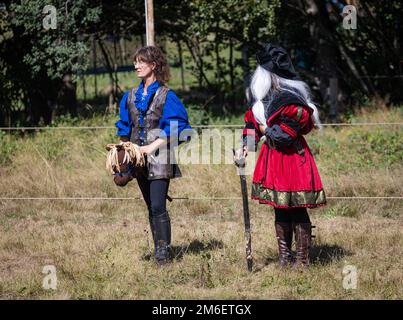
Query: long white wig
{"x": 265, "y": 83}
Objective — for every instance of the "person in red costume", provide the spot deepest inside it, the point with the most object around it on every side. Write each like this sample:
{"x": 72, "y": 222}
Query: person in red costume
{"x": 285, "y": 175}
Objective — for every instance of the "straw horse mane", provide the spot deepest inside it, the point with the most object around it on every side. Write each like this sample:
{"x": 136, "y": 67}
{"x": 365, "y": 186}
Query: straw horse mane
{"x": 123, "y": 154}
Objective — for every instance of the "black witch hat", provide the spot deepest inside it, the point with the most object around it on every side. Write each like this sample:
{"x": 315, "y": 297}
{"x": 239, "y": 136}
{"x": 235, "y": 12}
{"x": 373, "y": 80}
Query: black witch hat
{"x": 275, "y": 59}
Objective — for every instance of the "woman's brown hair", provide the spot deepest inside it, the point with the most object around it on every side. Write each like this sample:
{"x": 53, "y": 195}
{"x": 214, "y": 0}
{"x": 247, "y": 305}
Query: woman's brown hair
{"x": 152, "y": 54}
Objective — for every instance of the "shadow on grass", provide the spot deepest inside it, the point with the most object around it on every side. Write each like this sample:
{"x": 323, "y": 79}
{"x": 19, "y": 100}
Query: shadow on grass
{"x": 321, "y": 254}
{"x": 194, "y": 247}
{"x": 324, "y": 254}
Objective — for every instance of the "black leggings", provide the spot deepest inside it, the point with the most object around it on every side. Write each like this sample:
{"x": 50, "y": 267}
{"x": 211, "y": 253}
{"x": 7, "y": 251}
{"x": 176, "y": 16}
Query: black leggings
{"x": 296, "y": 215}
{"x": 154, "y": 194}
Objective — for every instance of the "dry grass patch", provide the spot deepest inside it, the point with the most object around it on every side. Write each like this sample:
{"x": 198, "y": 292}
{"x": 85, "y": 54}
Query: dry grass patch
{"x": 101, "y": 249}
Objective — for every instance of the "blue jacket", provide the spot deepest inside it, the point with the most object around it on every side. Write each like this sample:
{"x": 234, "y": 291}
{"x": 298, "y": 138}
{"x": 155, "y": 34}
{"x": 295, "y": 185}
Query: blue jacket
{"x": 174, "y": 110}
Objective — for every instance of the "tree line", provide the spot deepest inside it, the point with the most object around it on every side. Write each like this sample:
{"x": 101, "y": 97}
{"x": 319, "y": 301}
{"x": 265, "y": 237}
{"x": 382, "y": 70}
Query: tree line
{"x": 344, "y": 67}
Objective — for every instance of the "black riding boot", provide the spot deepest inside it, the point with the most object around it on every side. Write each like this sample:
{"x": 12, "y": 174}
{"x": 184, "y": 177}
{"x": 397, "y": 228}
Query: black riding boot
{"x": 162, "y": 225}
{"x": 151, "y": 220}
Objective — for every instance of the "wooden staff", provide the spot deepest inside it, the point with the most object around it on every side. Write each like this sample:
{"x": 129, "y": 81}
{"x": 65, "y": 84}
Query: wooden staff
{"x": 149, "y": 22}
{"x": 241, "y": 163}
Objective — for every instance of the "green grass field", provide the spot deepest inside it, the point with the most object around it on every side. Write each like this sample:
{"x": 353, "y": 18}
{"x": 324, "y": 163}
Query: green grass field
{"x": 101, "y": 248}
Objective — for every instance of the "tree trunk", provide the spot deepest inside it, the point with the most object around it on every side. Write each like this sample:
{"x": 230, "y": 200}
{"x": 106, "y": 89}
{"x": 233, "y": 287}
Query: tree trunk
{"x": 180, "y": 53}
{"x": 218, "y": 68}
{"x": 217, "y": 58}
{"x": 231, "y": 65}
{"x": 112, "y": 96}
{"x": 199, "y": 63}
{"x": 231, "y": 72}
{"x": 325, "y": 58}
{"x": 84, "y": 87}
{"x": 67, "y": 96}
{"x": 115, "y": 69}
{"x": 39, "y": 107}
{"x": 245, "y": 66}
{"x": 122, "y": 51}
{"x": 94, "y": 61}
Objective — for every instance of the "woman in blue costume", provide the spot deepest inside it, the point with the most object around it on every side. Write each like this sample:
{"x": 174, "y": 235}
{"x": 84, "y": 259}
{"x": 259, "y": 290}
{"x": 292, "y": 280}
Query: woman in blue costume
{"x": 153, "y": 117}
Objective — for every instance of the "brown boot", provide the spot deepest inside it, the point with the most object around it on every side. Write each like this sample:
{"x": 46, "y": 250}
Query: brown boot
{"x": 284, "y": 239}
{"x": 303, "y": 235}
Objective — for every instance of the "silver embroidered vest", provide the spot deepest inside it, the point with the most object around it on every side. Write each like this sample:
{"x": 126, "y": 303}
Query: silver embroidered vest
{"x": 159, "y": 165}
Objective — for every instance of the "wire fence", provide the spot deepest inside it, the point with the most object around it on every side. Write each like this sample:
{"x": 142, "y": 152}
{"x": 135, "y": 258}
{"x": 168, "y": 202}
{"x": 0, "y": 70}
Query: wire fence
{"x": 235, "y": 126}
{"x": 182, "y": 198}
{"x": 186, "y": 198}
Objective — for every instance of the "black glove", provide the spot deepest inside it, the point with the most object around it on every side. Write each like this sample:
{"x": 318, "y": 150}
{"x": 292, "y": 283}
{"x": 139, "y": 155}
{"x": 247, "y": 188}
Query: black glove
{"x": 278, "y": 136}
{"x": 293, "y": 124}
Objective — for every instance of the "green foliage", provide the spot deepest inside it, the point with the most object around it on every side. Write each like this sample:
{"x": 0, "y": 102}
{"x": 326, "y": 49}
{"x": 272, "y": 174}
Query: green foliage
{"x": 60, "y": 50}
{"x": 6, "y": 31}
{"x": 355, "y": 148}
{"x": 33, "y": 59}
{"x": 52, "y": 145}
{"x": 378, "y": 146}
{"x": 65, "y": 121}
{"x": 247, "y": 21}
{"x": 214, "y": 32}
{"x": 8, "y": 89}
{"x": 8, "y": 148}
{"x": 197, "y": 115}
{"x": 218, "y": 40}
{"x": 342, "y": 210}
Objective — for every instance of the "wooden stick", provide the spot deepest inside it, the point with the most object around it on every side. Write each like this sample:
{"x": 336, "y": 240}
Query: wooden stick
{"x": 149, "y": 22}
